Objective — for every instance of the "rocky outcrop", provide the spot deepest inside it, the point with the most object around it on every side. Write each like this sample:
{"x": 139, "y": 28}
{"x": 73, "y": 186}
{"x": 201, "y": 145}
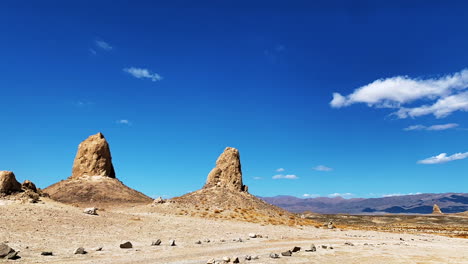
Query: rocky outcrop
{"x": 29, "y": 185}
{"x": 436, "y": 209}
{"x": 228, "y": 172}
{"x": 8, "y": 183}
{"x": 93, "y": 158}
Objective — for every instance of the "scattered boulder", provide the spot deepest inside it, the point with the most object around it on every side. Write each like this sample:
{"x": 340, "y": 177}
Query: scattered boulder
{"x": 47, "y": 253}
{"x": 228, "y": 172}
{"x": 97, "y": 249}
{"x": 5, "y": 250}
{"x": 226, "y": 259}
{"x": 286, "y": 253}
{"x": 324, "y": 246}
{"x": 236, "y": 260}
{"x": 90, "y": 211}
{"x": 172, "y": 243}
{"x": 93, "y": 158}
{"x": 248, "y": 257}
{"x": 13, "y": 255}
{"x": 252, "y": 235}
{"x": 296, "y": 249}
{"x": 211, "y": 261}
{"x": 255, "y": 257}
{"x": 312, "y": 248}
{"x": 329, "y": 225}
{"x": 156, "y": 243}
{"x": 198, "y": 242}
{"x": 8, "y": 183}
{"x": 436, "y": 209}
{"x": 29, "y": 185}
{"x": 207, "y": 240}
{"x": 79, "y": 251}
{"x": 274, "y": 255}
{"x": 127, "y": 244}
{"x": 349, "y": 244}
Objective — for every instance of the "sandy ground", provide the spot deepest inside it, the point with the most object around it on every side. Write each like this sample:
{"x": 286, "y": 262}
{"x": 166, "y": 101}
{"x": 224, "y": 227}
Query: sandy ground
{"x": 51, "y": 226}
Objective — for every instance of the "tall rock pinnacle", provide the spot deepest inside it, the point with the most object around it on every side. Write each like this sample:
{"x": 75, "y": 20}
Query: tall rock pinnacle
{"x": 228, "y": 172}
{"x": 436, "y": 209}
{"x": 93, "y": 158}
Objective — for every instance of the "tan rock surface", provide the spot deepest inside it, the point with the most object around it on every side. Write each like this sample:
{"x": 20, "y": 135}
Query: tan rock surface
{"x": 228, "y": 172}
{"x": 93, "y": 158}
{"x": 29, "y": 185}
{"x": 436, "y": 209}
{"x": 8, "y": 183}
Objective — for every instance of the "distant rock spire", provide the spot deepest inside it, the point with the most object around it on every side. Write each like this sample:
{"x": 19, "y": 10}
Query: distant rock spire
{"x": 228, "y": 172}
{"x": 436, "y": 209}
{"x": 93, "y": 158}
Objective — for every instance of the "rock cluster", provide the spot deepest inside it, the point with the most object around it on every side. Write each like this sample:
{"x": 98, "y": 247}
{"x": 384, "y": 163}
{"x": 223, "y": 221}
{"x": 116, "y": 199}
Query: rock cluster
{"x": 8, "y": 183}
{"x": 93, "y": 158}
{"x": 28, "y": 185}
{"x": 228, "y": 172}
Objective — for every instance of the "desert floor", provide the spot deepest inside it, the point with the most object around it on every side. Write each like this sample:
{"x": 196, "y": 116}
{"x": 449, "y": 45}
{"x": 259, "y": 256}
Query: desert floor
{"x": 60, "y": 228}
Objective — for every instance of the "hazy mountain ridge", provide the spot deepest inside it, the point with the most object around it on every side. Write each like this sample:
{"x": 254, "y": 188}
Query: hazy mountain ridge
{"x": 419, "y": 203}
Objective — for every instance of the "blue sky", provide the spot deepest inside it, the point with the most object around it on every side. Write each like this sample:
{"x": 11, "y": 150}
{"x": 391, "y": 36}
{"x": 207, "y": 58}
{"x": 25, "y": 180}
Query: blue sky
{"x": 321, "y": 98}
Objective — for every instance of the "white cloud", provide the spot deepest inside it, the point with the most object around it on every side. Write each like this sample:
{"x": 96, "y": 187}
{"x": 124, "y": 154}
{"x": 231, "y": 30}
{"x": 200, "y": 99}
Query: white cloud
{"x": 344, "y": 195}
{"x": 399, "y": 194}
{"x": 280, "y": 169}
{"x": 442, "y": 158}
{"x": 92, "y": 51}
{"x": 141, "y": 73}
{"x": 440, "y": 109}
{"x": 322, "y": 168}
{"x": 123, "y": 122}
{"x": 447, "y": 91}
{"x": 289, "y": 177}
{"x": 308, "y": 195}
{"x": 432, "y": 128}
{"x": 103, "y": 45}
{"x": 257, "y": 178}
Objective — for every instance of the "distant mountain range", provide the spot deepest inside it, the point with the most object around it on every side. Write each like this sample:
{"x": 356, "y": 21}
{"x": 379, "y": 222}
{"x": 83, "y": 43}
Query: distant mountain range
{"x": 419, "y": 204}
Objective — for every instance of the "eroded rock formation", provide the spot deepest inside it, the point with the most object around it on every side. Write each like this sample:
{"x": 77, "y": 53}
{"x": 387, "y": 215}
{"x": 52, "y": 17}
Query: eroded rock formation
{"x": 436, "y": 209}
{"x": 93, "y": 158}
{"x": 228, "y": 172}
{"x": 8, "y": 183}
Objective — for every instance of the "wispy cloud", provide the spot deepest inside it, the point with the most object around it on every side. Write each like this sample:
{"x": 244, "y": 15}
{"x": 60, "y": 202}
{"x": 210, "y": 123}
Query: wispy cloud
{"x": 103, "y": 45}
{"x": 289, "y": 177}
{"x": 308, "y": 195}
{"x": 83, "y": 103}
{"x": 92, "y": 51}
{"x": 257, "y": 178}
{"x": 432, "y": 128}
{"x": 442, "y": 158}
{"x": 123, "y": 122}
{"x": 447, "y": 93}
{"x": 280, "y": 170}
{"x": 344, "y": 195}
{"x": 142, "y": 73}
{"x": 399, "y": 194}
{"x": 322, "y": 168}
